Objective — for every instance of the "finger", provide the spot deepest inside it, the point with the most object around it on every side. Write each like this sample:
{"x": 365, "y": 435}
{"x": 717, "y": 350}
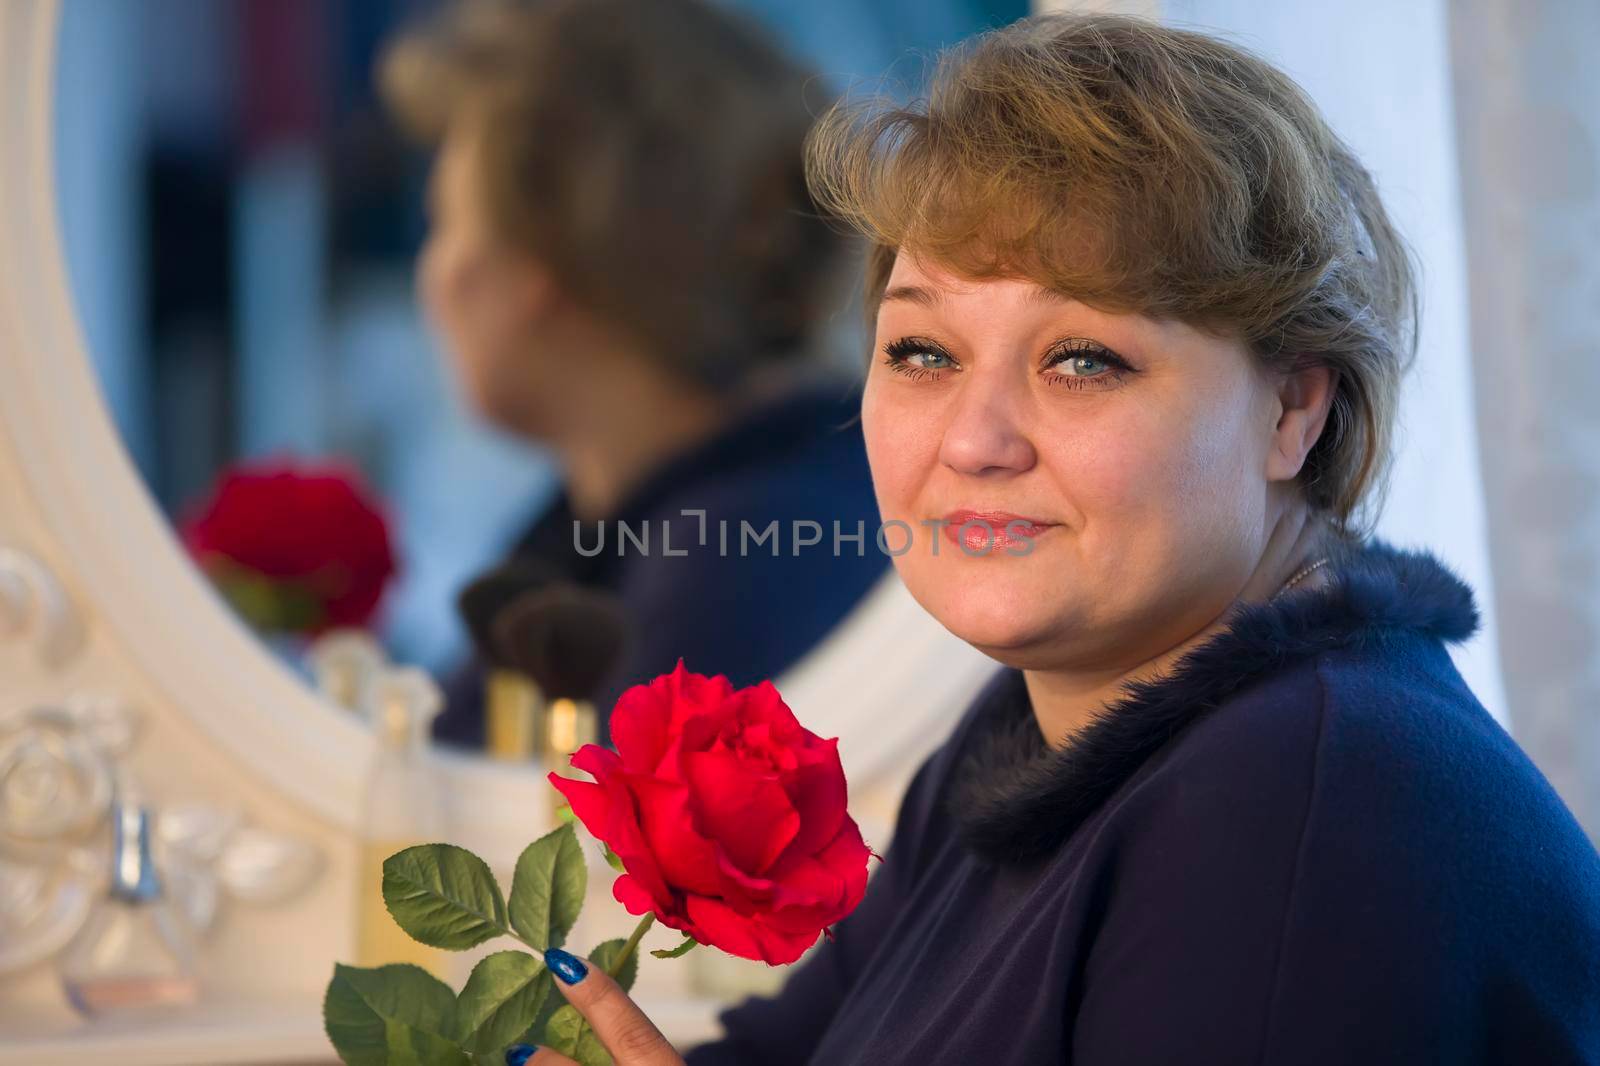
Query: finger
{"x": 624, "y": 1029}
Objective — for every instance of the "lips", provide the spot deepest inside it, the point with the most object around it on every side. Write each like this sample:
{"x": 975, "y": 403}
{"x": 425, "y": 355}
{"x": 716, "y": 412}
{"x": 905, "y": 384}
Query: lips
{"x": 985, "y": 532}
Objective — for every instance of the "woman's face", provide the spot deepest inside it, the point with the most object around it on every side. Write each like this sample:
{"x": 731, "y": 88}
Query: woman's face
{"x": 480, "y": 294}
{"x": 1139, "y": 448}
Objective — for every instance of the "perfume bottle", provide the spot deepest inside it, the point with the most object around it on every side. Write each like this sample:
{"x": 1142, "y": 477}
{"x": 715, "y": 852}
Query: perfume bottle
{"x": 568, "y": 724}
{"x": 513, "y": 706}
{"x": 403, "y": 807}
{"x": 135, "y": 952}
{"x": 343, "y": 661}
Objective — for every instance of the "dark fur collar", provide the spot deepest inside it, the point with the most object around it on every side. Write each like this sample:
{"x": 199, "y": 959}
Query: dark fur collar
{"x": 1013, "y": 800}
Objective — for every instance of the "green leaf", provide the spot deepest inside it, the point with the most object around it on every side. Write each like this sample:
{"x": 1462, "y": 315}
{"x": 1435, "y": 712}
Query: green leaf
{"x": 534, "y": 1034}
{"x": 672, "y": 953}
{"x": 613, "y": 858}
{"x": 390, "y": 1014}
{"x": 443, "y": 896}
{"x": 604, "y": 955}
{"x": 569, "y": 1034}
{"x": 500, "y": 1001}
{"x": 547, "y": 888}
{"x": 413, "y": 1047}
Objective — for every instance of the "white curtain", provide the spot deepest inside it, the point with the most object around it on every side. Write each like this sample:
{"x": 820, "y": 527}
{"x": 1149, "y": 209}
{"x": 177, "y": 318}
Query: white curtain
{"x": 1527, "y": 94}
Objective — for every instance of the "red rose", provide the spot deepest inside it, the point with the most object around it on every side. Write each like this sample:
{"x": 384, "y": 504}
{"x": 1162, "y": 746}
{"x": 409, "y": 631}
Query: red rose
{"x": 728, "y": 815}
{"x": 311, "y": 534}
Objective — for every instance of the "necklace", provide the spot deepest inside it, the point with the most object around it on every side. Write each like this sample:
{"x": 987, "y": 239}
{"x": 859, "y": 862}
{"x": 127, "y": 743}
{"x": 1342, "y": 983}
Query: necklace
{"x": 1300, "y": 576}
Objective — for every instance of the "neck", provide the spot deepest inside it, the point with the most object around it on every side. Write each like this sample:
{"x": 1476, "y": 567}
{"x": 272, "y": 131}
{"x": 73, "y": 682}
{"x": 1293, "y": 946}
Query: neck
{"x": 615, "y": 443}
{"x": 1065, "y": 701}
{"x": 638, "y": 417}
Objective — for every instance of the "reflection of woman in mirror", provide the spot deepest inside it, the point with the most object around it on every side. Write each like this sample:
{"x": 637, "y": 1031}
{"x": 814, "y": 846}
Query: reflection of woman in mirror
{"x": 625, "y": 266}
{"x": 1228, "y": 800}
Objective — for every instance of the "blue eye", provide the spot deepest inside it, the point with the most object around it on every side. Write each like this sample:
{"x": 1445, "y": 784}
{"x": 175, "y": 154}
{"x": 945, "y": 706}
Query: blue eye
{"x": 1083, "y": 365}
{"x": 1076, "y": 363}
{"x": 917, "y": 358}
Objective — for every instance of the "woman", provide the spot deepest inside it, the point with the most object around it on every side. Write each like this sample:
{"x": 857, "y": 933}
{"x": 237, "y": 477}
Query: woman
{"x": 1228, "y": 800}
{"x": 626, "y": 267}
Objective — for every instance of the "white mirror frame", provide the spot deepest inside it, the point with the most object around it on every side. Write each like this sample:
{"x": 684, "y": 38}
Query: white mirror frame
{"x": 131, "y": 575}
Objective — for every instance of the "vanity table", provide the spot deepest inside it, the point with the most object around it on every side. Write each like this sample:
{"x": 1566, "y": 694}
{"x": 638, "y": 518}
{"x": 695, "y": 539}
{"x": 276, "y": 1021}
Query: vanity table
{"x": 102, "y": 614}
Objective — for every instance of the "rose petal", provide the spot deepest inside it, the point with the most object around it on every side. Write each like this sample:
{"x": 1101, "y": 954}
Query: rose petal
{"x": 846, "y": 856}
{"x": 648, "y": 718}
{"x": 687, "y": 859}
{"x": 741, "y": 891}
{"x": 807, "y": 882}
{"x": 639, "y": 727}
{"x": 589, "y": 802}
{"x": 716, "y": 924}
{"x": 818, "y": 793}
{"x": 749, "y": 814}
{"x": 628, "y": 891}
{"x": 595, "y": 760}
{"x": 626, "y": 839}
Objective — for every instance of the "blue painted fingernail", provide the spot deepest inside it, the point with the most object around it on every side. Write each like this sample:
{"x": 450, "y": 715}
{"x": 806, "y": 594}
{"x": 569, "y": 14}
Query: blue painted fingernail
{"x": 565, "y": 966}
{"x": 517, "y": 1054}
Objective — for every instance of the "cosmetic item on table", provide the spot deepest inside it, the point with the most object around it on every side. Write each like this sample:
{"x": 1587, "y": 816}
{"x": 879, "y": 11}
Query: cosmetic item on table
{"x": 567, "y": 639}
{"x": 135, "y": 953}
{"x": 404, "y": 806}
{"x": 513, "y": 701}
{"x": 343, "y": 663}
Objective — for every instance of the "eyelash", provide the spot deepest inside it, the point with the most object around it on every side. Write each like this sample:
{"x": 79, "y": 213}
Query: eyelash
{"x": 898, "y": 351}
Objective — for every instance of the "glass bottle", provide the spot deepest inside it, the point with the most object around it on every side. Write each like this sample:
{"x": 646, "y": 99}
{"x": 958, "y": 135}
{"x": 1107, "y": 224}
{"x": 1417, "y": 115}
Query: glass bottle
{"x": 403, "y": 808}
{"x": 135, "y": 952}
{"x": 344, "y": 661}
{"x": 567, "y": 725}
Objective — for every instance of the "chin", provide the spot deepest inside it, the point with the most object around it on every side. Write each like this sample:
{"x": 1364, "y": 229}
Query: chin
{"x": 999, "y": 621}
{"x": 1009, "y": 643}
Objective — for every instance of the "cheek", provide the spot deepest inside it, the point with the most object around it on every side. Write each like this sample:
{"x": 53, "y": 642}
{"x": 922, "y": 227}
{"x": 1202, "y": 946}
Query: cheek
{"x": 457, "y": 277}
{"x": 902, "y": 447}
{"x": 1182, "y": 465}
{"x": 439, "y": 284}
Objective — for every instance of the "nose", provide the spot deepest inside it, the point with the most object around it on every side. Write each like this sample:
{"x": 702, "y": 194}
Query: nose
{"x": 986, "y": 431}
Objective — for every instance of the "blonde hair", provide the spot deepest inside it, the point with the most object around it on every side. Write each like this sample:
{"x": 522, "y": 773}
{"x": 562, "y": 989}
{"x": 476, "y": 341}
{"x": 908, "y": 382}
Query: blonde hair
{"x": 1142, "y": 168}
{"x": 650, "y": 153}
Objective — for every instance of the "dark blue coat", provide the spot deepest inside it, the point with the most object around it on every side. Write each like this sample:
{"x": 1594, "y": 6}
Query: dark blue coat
{"x": 750, "y": 611}
{"x": 1309, "y": 843}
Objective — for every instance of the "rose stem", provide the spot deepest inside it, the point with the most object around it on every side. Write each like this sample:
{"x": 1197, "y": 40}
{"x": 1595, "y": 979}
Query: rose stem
{"x": 633, "y": 942}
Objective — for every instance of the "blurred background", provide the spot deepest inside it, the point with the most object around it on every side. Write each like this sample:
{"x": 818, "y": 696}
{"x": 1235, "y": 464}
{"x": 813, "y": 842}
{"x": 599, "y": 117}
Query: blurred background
{"x": 241, "y": 217}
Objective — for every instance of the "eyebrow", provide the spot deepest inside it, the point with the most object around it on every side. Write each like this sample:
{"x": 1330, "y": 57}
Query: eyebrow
{"x": 917, "y": 294}
{"x": 912, "y": 293}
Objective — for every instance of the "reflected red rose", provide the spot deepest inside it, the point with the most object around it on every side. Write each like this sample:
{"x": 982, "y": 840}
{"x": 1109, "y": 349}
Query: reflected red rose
{"x": 312, "y": 533}
{"x": 728, "y": 815}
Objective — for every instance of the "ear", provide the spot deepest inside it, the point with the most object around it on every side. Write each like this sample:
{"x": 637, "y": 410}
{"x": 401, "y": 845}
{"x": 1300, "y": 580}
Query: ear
{"x": 1304, "y": 398}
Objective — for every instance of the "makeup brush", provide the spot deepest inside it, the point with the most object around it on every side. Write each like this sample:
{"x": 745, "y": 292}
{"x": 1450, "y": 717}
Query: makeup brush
{"x": 484, "y": 597}
{"x": 567, "y": 639}
{"x": 562, "y": 635}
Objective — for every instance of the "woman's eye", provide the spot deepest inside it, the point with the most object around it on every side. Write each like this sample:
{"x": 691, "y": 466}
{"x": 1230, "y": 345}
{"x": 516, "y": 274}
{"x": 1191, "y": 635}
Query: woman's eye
{"x": 916, "y": 358}
{"x": 1077, "y": 364}
{"x": 1084, "y": 366}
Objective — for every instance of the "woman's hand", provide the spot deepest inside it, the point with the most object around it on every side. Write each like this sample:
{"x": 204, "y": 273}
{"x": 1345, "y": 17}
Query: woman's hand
{"x": 630, "y": 1036}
